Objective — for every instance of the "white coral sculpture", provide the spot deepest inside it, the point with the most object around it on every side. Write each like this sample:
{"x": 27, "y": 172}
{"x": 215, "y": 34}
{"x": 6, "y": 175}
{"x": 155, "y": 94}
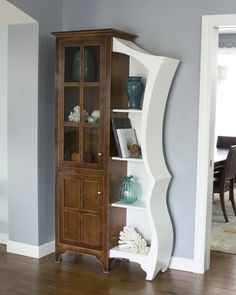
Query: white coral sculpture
{"x": 75, "y": 115}
{"x": 130, "y": 239}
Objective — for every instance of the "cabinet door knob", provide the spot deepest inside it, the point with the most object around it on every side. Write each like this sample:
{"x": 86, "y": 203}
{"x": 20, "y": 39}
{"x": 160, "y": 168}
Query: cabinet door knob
{"x": 99, "y": 154}
{"x": 99, "y": 193}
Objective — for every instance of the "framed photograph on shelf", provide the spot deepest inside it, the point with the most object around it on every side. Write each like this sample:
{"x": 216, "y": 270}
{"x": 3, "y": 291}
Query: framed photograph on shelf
{"x": 127, "y": 138}
{"x": 119, "y": 123}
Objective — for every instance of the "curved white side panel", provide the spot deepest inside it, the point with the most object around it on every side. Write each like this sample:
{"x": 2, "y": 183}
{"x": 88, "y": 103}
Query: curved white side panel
{"x": 160, "y": 74}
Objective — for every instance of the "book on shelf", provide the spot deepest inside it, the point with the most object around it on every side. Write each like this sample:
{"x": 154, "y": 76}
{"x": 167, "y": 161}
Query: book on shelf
{"x": 119, "y": 123}
{"x": 127, "y": 138}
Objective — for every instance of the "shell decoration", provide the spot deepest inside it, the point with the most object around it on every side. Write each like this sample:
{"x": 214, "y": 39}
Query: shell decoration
{"x": 130, "y": 239}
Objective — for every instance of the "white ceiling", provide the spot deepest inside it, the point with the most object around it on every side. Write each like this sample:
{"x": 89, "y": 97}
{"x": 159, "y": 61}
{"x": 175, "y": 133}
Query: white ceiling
{"x": 9, "y": 14}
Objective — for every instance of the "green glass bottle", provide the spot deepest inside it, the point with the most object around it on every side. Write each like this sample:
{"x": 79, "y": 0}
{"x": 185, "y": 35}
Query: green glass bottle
{"x": 128, "y": 192}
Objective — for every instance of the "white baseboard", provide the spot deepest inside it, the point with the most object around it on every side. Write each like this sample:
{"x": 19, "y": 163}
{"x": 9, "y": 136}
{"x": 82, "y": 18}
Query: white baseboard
{"x": 31, "y": 250}
{"x": 183, "y": 264}
{"x": 177, "y": 263}
{"x": 4, "y": 238}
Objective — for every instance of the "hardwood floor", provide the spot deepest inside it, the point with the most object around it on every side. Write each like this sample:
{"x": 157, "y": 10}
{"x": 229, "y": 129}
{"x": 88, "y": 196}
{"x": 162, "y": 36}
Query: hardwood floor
{"x": 78, "y": 274}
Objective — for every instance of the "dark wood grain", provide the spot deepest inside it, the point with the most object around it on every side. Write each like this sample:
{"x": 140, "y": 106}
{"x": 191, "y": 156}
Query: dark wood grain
{"x": 81, "y": 274}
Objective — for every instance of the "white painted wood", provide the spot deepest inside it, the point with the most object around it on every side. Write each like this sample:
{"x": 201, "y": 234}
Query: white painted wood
{"x": 31, "y": 250}
{"x": 178, "y": 263}
{"x": 140, "y": 221}
{"x": 127, "y": 159}
{"x": 138, "y": 205}
{"x": 158, "y": 73}
{"x": 209, "y": 44}
{"x": 138, "y": 170}
{"x": 4, "y": 237}
{"x": 181, "y": 263}
{"x": 126, "y": 111}
{"x": 136, "y": 122}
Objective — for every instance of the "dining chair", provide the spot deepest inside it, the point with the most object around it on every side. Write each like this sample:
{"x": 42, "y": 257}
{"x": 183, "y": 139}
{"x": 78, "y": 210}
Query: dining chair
{"x": 225, "y": 142}
{"x": 225, "y": 182}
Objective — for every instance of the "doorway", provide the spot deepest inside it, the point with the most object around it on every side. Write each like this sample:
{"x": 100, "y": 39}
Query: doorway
{"x": 209, "y": 45}
{"x": 223, "y": 233}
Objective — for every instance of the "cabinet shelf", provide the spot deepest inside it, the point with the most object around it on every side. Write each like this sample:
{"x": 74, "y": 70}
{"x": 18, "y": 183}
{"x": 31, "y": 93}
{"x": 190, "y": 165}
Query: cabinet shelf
{"x": 81, "y": 124}
{"x": 138, "y": 205}
{"x": 78, "y": 84}
{"x": 127, "y": 111}
{"x": 127, "y": 159}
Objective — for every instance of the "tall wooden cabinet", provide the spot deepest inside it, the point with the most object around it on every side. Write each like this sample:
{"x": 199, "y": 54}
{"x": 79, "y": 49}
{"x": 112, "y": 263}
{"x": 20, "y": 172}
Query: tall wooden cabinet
{"x": 83, "y": 78}
{"x": 92, "y": 69}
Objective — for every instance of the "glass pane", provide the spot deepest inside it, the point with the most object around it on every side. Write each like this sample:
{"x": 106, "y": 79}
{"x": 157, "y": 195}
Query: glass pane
{"x": 72, "y": 104}
{"x": 91, "y": 145}
{"x": 71, "y": 144}
{"x": 91, "y": 63}
{"x": 91, "y": 104}
{"x": 72, "y": 64}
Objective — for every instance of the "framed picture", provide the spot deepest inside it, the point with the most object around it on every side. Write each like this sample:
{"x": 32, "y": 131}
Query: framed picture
{"x": 119, "y": 123}
{"x": 127, "y": 138}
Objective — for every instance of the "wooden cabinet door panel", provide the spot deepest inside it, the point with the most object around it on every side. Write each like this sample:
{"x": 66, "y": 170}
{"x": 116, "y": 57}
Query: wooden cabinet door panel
{"x": 91, "y": 198}
{"x": 70, "y": 227}
{"x": 91, "y": 211}
{"x": 69, "y": 204}
{"x": 91, "y": 230}
{"x": 71, "y": 193}
{"x": 81, "y": 210}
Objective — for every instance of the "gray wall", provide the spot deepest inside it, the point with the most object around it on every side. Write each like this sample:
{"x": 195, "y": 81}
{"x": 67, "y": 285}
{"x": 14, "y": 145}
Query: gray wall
{"x": 171, "y": 28}
{"x": 49, "y": 16}
{"x": 3, "y": 133}
{"x": 22, "y": 133}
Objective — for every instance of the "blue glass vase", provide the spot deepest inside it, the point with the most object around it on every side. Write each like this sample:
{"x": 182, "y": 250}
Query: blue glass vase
{"x": 128, "y": 192}
{"x": 134, "y": 89}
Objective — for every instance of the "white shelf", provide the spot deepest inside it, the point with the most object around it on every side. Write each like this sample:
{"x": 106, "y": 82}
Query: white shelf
{"x": 127, "y": 111}
{"x": 127, "y": 159}
{"x": 138, "y": 205}
{"x": 127, "y": 254}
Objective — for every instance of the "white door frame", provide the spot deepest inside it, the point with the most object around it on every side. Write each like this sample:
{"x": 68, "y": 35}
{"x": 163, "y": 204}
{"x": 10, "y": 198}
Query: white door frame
{"x": 209, "y": 44}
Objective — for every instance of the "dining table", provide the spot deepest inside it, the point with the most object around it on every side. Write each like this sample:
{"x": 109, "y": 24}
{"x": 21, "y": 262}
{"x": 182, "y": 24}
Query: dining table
{"x": 220, "y": 156}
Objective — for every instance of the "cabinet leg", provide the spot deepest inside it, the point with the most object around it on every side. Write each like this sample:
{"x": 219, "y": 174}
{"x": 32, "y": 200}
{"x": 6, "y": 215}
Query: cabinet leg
{"x": 58, "y": 257}
{"x": 105, "y": 263}
{"x": 106, "y": 267}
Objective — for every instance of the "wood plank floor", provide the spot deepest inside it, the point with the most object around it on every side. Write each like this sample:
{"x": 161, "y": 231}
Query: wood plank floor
{"x": 78, "y": 274}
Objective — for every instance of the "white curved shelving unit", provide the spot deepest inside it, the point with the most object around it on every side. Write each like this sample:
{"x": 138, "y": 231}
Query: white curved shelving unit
{"x": 150, "y": 215}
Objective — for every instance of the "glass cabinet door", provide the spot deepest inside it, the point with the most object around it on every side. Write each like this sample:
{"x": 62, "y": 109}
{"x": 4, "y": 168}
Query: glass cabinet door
{"x": 82, "y": 105}
{"x": 72, "y": 64}
{"x": 91, "y": 63}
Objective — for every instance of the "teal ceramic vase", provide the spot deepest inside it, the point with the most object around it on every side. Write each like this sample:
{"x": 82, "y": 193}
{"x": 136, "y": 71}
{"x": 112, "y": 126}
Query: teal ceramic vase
{"x": 76, "y": 67}
{"x": 128, "y": 192}
{"x": 90, "y": 65}
{"x": 134, "y": 89}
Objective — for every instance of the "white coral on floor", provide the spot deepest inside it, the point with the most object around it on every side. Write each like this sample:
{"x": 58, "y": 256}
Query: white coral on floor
{"x": 130, "y": 239}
